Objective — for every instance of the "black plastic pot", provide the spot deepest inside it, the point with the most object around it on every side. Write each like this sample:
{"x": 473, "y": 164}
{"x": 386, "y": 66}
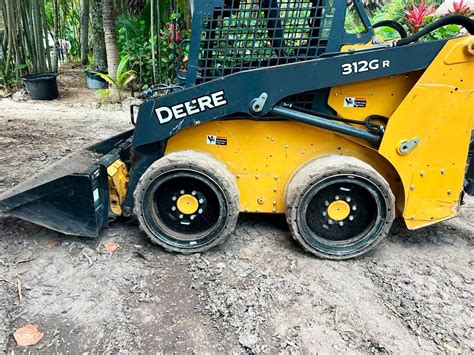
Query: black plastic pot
{"x": 42, "y": 86}
{"x": 94, "y": 81}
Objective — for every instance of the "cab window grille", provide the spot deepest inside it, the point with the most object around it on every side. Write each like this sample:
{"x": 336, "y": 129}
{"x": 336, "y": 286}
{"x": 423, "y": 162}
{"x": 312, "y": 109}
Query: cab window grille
{"x": 248, "y": 34}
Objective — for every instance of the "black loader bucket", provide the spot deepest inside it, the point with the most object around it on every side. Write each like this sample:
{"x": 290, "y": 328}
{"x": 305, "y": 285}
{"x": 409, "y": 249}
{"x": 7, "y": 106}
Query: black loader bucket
{"x": 71, "y": 196}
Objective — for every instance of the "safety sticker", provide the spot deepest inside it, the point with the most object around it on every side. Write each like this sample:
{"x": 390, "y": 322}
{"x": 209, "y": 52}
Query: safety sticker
{"x": 215, "y": 140}
{"x": 356, "y": 102}
{"x": 96, "y": 195}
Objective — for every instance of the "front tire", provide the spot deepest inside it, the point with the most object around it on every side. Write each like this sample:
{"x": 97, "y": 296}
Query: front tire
{"x": 187, "y": 202}
{"x": 339, "y": 207}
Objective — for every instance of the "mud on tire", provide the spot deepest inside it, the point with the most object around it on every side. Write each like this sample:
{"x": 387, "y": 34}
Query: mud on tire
{"x": 339, "y": 207}
{"x": 187, "y": 202}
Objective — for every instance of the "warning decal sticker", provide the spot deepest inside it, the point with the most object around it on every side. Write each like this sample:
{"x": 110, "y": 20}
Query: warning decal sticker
{"x": 357, "y": 102}
{"x": 215, "y": 140}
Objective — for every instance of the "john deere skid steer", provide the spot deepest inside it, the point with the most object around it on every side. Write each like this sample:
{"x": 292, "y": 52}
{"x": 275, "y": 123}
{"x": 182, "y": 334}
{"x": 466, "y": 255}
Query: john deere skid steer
{"x": 280, "y": 110}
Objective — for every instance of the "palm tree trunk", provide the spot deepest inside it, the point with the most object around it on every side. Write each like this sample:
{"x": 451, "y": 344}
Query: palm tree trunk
{"x": 110, "y": 37}
{"x": 84, "y": 31}
{"x": 98, "y": 40}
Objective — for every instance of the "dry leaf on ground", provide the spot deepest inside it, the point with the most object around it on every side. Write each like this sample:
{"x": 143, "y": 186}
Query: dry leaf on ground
{"x": 28, "y": 335}
{"x": 52, "y": 243}
{"x": 111, "y": 247}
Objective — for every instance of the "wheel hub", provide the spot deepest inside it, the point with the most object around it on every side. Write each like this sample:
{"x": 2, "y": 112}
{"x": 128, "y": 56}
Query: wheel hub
{"x": 187, "y": 204}
{"x": 338, "y": 210}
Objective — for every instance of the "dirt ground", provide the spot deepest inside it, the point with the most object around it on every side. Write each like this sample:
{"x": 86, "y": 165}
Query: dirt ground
{"x": 259, "y": 292}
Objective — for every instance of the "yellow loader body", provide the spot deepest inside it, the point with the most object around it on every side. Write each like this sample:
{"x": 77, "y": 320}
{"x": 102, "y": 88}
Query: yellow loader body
{"x": 427, "y": 181}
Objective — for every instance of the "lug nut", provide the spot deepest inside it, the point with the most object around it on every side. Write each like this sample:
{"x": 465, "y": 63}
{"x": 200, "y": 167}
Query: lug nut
{"x": 173, "y": 208}
{"x": 351, "y": 218}
{"x": 325, "y": 214}
{"x": 201, "y": 201}
{"x": 348, "y": 199}
{"x": 337, "y": 197}
{"x": 193, "y": 217}
{"x": 174, "y": 198}
{"x": 181, "y": 216}
{"x": 330, "y": 221}
{"x": 194, "y": 193}
{"x": 341, "y": 223}
{"x": 354, "y": 208}
{"x": 200, "y": 211}
{"x": 326, "y": 203}
{"x": 182, "y": 192}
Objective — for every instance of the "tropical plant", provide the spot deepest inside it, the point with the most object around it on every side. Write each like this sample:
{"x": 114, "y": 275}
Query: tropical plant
{"x": 142, "y": 44}
{"x": 70, "y": 14}
{"x": 416, "y": 17}
{"x": 121, "y": 79}
{"x": 104, "y": 96}
{"x": 24, "y": 48}
{"x": 172, "y": 33}
{"x": 134, "y": 42}
{"x": 460, "y": 8}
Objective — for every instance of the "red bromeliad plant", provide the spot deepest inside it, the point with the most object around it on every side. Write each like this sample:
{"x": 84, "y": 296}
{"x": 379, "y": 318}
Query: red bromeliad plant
{"x": 416, "y": 17}
{"x": 172, "y": 33}
{"x": 460, "y": 8}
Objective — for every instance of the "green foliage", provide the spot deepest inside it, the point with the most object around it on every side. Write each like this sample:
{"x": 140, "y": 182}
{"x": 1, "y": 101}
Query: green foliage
{"x": 70, "y": 14}
{"x": 123, "y": 78}
{"x": 445, "y": 32}
{"x": 353, "y": 22}
{"x": 395, "y": 10}
{"x": 23, "y": 46}
{"x": 10, "y": 79}
{"x": 104, "y": 96}
{"x": 135, "y": 43}
{"x": 70, "y": 28}
{"x": 169, "y": 41}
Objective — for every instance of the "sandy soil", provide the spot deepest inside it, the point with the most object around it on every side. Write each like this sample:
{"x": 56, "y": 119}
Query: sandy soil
{"x": 259, "y": 292}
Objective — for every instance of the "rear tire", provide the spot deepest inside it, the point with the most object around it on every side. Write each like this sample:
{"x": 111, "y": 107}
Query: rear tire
{"x": 187, "y": 202}
{"x": 339, "y": 207}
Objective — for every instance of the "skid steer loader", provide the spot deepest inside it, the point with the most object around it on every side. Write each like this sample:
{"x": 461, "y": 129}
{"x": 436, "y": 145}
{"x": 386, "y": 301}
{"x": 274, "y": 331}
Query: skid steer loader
{"x": 281, "y": 110}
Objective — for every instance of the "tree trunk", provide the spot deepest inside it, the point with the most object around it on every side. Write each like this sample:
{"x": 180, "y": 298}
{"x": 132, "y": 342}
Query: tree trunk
{"x": 110, "y": 37}
{"x": 153, "y": 40}
{"x": 98, "y": 40}
{"x": 54, "y": 64}
{"x": 84, "y": 32}
{"x": 39, "y": 61}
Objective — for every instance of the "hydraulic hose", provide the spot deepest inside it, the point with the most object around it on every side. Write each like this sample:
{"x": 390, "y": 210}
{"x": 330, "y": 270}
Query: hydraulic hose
{"x": 372, "y": 127}
{"x": 459, "y": 20}
{"x": 393, "y": 25}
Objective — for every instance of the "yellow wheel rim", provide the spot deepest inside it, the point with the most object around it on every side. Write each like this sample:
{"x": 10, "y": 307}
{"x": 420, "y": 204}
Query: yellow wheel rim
{"x": 339, "y": 210}
{"x": 187, "y": 204}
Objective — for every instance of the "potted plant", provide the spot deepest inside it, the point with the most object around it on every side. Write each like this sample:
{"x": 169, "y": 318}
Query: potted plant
{"x": 41, "y": 86}
{"x": 121, "y": 80}
{"x": 93, "y": 79}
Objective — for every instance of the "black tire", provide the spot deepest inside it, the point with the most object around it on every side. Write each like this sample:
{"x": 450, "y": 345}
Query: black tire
{"x": 359, "y": 198}
{"x": 201, "y": 181}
